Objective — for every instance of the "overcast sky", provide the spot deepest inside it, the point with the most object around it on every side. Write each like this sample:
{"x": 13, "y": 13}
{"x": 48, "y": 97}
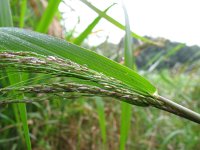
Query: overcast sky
{"x": 176, "y": 20}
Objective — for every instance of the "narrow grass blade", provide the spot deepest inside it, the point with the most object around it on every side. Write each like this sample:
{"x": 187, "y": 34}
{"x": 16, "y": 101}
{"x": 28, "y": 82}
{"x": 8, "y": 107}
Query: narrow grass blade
{"x": 129, "y": 62}
{"x": 174, "y": 50}
{"x": 22, "y": 13}
{"x": 116, "y": 23}
{"x": 102, "y": 120}
{"x": 5, "y": 14}
{"x": 48, "y": 15}
{"x": 153, "y": 59}
{"x": 126, "y": 114}
{"x": 89, "y": 29}
{"x": 170, "y": 137}
{"x": 21, "y": 107}
{"x": 167, "y": 55}
{"x": 6, "y": 20}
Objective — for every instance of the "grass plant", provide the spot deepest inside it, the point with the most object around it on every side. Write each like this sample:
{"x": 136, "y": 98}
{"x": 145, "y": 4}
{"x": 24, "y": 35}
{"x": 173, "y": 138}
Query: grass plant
{"x": 39, "y": 71}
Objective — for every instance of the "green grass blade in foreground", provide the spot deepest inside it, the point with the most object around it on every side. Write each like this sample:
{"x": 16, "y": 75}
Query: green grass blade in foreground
{"x": 23, "y": 40}
{"x": 48, "y": 15}
{"x": 22, "y": 110}
{"x": 89, "y": 29}
{"x": 129, "y": 62}
{"x": 6, "y": 20}
{"x": 116, "y": 23}
{"x": 22, "y": 13}
{"x": 102, "y": 120}
{"x": 5, "y": 14}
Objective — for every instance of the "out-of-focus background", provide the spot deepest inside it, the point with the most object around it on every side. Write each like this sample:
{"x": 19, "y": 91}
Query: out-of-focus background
{"x": 171, "y": 64}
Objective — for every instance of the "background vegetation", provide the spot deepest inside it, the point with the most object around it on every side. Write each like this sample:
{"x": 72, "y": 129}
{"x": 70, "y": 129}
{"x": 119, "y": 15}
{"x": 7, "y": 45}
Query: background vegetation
{"x": 101, "y": 122}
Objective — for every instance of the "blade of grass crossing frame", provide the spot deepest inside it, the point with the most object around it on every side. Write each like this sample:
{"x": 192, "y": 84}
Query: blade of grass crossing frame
{"x": 102, "y": 120}
{"x": 5, "y": 14}
{"x": 21, "y": 107}
{"x": 48, "y": 15}
{"x": 153, "y": 59}
{"x": 116, "y": 23}
{"x": 6, "y": 20}
{"x": 22, "y": 13}
{"x": 174, "y": 50}
{"x": 165, "y": 56}
{"x": 89, "y": 29}
{"x": 126, "y": 109}
{"x": 5, "y": 83}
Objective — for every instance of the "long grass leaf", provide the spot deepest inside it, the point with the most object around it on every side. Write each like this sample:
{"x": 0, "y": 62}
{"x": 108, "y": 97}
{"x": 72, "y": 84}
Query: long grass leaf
{"x": 6, "y": 20}
{"x": 22, "y": 13}
{"x": 102, "y": 120}
{"x": 5, "y": 14}
{"x": 89, "y": 29}
{"x": 22, "y": 110}
{"x": 129, "y": 62}
{"x": 116, "y": 23}
{"x": 48, "y": 15}
{"x": 165, "y": 56}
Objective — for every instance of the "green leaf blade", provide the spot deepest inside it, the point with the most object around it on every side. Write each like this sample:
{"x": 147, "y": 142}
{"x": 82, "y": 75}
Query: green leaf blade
{"x": 23, "y": 40}
{"x": 115, "y": 22}
{"x": 126, "y": 109}
{"x": 5, "y": 14}
{"x": 89, "y": 29}
{"x": 6, "y": 21}
{"x": 48, "y": 15}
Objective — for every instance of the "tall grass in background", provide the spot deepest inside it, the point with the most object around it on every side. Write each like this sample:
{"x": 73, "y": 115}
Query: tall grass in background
{"x": 126, "y": 109}
{"x": 23, "y": 8}
{"x": 115, "y": 22}
{"x": 5, "y": 15}
{"x": 48, "y": 16}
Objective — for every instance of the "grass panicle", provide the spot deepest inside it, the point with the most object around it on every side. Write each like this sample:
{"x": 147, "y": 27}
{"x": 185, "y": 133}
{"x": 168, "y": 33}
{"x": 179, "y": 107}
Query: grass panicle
{"x": 99, "y": 84}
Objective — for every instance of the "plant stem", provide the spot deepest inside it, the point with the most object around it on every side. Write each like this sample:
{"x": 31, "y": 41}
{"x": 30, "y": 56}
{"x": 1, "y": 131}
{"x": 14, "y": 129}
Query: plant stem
{"x": 179, "y": 110}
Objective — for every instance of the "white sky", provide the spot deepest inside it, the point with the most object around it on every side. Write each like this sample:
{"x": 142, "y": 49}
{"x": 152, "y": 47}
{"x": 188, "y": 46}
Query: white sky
{"x": 176, "y": 20}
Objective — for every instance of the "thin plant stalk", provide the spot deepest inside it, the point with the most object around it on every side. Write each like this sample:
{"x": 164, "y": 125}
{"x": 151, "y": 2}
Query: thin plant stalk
{"x": 22, "y": 13}
{"x": 126, "y": 109}
{"x": 48, "y": 15}
{"x": 6, "y": 20}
